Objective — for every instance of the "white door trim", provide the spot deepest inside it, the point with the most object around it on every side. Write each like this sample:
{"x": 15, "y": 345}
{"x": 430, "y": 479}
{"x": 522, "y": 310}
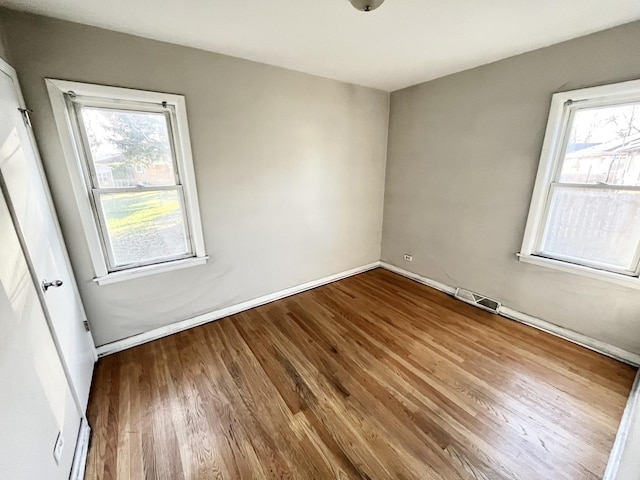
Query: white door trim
{"x": 11, "y": 72}
{"x": 81, "y": 451}
{"x": 623, "y": 446}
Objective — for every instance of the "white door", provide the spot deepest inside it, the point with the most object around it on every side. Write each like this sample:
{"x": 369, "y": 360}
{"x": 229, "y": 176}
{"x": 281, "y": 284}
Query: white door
{"x": 28, "y": 196}
{"x": 35, "y": 398}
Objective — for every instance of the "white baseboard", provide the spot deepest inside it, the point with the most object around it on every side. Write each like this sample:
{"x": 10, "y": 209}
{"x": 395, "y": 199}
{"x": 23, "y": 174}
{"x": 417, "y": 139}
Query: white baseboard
{"x": 624, "y": 446}
{"x": 145, "y": 337}
{"x": 633, "y": 404}
{"x": 623, "y": 451}
{"x": 82, "y": 449}
{"x": 419, "y": 278}
{"x": 574, "y": 337}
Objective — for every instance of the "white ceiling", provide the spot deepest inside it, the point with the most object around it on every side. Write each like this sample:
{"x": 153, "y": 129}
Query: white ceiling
{"x": 402, "y": 43}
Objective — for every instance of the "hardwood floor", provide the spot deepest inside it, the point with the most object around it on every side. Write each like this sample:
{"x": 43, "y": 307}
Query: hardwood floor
{"x": 372, "y": 377}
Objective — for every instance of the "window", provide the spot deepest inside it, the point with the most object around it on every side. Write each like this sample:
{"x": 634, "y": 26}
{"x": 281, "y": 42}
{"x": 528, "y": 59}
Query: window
{"x": 585, "y": 211}
{"x": 130, "y": 162}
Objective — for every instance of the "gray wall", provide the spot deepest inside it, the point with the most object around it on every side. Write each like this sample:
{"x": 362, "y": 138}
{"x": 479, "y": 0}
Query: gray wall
{"x": 290, "y": 168}
{"x": 290, "y": 171}
{"x": 462, "y": 159}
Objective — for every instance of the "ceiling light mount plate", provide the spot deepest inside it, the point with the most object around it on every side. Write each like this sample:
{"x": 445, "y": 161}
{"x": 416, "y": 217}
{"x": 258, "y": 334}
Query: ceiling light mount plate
{"x": 366, "y": 5}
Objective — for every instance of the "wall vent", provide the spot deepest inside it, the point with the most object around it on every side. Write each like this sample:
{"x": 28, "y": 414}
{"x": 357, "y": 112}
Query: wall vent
{"x": 478, "y": 300}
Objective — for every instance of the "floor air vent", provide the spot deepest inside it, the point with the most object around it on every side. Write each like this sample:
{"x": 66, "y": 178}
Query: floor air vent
{"x": 478, "y": 300}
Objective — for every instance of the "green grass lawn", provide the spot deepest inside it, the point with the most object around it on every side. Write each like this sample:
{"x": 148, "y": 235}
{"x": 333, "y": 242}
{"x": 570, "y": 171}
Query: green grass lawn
{"x": 144, "y": 225}
{"x": 126, "y": 212}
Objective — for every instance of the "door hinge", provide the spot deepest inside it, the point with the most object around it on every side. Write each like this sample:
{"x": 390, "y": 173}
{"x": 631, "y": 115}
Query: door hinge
{"x": 25, "y": 116}
{"x": 86, "y": 325}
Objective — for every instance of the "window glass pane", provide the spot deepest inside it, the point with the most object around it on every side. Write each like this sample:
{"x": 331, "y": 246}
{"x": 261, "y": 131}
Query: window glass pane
{"x": 594, "y": 225}
{"x": 144, "y": 226}
{"x": 129, "y": 148}
{"x": 604, "y": 146}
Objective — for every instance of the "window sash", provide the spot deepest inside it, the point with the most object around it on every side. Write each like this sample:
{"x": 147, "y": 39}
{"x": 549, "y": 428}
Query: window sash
{"x": 78, "y": 103}
{"x": 104, "y": 232}
{"x": 569, "y": 111}
{"x": 75, "y": 104}
{"x": 635, "y": 264}
{"x": 598, "y": 186}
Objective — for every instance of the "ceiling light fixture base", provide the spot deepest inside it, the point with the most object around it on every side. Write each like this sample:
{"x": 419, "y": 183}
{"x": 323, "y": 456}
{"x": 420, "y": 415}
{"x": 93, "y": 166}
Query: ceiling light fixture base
{"x": 366, "y": 5}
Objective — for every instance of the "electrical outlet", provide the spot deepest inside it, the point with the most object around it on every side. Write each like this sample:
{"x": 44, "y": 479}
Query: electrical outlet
{"x": 57, "y": 449}
{"x": 408, "y": 258}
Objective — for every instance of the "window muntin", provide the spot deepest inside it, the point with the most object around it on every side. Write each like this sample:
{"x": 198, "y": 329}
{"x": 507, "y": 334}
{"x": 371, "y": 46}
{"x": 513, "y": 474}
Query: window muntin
{"x": 590, "y": 215}
{"x": 134, "y": 180}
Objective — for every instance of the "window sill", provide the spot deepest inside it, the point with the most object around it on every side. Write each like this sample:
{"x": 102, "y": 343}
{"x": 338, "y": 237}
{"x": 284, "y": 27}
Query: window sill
{"x": 617, "y": 278}
{"x": 138, "y": 272}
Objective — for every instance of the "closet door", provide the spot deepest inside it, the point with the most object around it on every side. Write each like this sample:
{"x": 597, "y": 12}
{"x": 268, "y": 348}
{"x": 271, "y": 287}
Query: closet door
{"x": 35, "y": 399}
{"x": 28, "y": 196}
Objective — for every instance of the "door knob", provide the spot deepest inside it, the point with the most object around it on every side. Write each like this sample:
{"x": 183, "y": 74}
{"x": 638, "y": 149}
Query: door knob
{"x": 46, "y": 285}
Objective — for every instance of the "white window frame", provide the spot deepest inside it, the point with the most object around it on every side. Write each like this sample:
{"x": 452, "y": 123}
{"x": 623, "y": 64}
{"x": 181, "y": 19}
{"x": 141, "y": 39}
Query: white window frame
{"x": 77, "y": 168}
{"x": 563, "y": 105}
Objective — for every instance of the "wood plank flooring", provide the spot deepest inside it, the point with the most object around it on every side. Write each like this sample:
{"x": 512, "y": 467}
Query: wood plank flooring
{"x": 372, "y": 377}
